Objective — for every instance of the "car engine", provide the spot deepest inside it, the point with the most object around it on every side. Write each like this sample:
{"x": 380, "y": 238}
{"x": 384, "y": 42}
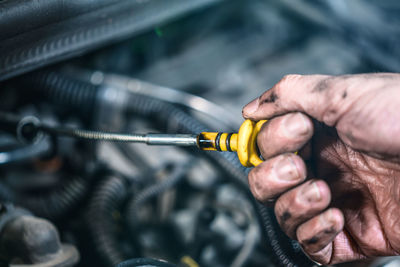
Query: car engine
{"x": 137, "y": 66}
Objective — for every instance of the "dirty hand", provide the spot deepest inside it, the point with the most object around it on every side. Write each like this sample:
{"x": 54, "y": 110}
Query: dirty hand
{"x": 340, "y": 198}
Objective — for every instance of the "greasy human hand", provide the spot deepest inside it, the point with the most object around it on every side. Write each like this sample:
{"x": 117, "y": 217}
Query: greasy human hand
{"x": 340, "y": 197}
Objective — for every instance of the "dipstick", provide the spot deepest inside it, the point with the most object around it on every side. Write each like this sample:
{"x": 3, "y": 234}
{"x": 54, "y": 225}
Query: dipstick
{"x": 244, "y": 142}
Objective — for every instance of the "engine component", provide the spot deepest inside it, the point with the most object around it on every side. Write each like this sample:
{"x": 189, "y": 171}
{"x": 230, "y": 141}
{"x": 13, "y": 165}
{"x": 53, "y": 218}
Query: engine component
{"x": 26, "y": 240}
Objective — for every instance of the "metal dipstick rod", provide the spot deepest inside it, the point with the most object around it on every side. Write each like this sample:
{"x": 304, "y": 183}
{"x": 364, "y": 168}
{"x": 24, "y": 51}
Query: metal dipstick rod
{"x": 149, "y": 138}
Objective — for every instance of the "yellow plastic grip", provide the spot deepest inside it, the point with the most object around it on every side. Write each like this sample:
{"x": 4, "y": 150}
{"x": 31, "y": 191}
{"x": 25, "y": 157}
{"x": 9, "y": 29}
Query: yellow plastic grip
{"x": 244, "y": 142}
{"x": 247, "y": 143}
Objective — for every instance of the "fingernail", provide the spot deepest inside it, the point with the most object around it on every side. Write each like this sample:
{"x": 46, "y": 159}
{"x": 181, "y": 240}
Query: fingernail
{"x": 286, "y": 169}
{"x": 296, "y": 125}
{"x": 251, "y": 107}
{"x": 328, "y": 217}
{"x": 310, "y": 193}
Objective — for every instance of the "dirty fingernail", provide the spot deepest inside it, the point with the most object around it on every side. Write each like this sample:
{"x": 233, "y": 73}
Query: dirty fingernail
{"x": 296, "y": 124}
{"x": 251, "y": 107}
{"x": 310, "y": 193}
{"x": 286, "y": 169}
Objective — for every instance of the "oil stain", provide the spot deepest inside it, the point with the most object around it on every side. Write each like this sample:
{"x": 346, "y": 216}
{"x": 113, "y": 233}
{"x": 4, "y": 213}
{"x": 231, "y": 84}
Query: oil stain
{"x": 313, "y": 240}
{"x": 271, "y": 98}
{"x": 322, "y": 85}
{"x": 285, "y": 216}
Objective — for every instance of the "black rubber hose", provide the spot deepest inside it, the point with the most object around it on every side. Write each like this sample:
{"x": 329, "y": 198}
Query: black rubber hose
{"x": 16, "y": 14}
{"x": 68, "y": 92}
{"x": 54, "y": 205}
{"x": 59, "y": 89}
{"x": 58, "y": 203}
{"x": 106, "y": 201}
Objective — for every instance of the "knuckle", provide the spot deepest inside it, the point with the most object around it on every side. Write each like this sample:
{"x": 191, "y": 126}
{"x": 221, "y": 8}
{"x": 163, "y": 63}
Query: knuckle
{"x": 287, "y": 81}
{"x": 285, "y": 85}
{"x": 325, "y": 84}
{"x": 289, "y": 78}
{"x": 334, "y": 90}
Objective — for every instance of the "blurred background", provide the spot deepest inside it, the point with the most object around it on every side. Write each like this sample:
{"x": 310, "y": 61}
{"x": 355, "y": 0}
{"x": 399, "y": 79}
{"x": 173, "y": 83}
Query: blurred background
{"x": 158, "y": 66}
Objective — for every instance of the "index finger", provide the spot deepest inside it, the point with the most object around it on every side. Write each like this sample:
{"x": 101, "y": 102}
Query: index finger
{"x": 322, "y": 97}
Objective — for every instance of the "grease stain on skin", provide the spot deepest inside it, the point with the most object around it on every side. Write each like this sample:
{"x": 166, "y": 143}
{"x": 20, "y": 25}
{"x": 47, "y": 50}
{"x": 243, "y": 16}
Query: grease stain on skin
{"x": 285, "y": 216}
{"x": 322, "y": 85}
{"x": 313, "y": 240}
{"x": 271, "y": 98}
{"x": 330, "y": 231}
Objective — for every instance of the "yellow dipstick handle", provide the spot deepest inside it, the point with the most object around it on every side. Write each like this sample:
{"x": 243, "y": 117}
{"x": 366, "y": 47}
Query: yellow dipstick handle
{"x": 244, "y": 142}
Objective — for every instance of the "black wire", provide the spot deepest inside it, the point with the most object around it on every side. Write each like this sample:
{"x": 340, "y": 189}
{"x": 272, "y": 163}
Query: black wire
{"x": 102, "y": 225}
